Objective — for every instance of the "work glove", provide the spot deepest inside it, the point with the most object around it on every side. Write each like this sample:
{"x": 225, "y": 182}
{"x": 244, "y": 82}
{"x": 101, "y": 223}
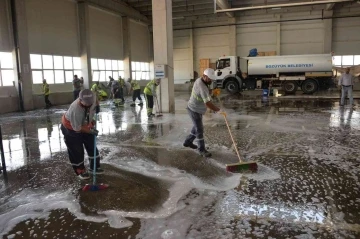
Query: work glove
{"x": 221, "y": 112}
{"x": 97, "y": 109}
{"x": 94, "y": 132}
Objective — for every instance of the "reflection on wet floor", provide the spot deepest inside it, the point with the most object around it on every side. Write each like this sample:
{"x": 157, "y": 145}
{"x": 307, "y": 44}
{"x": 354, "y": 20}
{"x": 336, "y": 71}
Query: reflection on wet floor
{"x": 307, "y": 185}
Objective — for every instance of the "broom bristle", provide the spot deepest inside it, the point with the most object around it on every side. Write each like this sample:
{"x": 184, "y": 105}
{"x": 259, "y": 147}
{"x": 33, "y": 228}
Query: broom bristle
{"x": 98, "y": 187}
{"x": 242, "y": 167}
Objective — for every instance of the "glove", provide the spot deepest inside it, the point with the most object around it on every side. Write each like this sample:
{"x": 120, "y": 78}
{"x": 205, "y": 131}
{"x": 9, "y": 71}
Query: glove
{"x": 94, "y": 132}
{"x": 97, "y": 109}
{"x": 221, "y": 112}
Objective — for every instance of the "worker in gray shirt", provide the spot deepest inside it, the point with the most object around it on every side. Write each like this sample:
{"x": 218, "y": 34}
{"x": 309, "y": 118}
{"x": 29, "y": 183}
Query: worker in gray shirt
{"x": 77, "y": 86}
{"x": 346, "y": 82}
{"x": 77, "y": 126}
{"x": 200, "y": 100}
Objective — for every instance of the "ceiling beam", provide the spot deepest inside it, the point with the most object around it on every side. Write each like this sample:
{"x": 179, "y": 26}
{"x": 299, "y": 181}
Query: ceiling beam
{"x": 118, "y": 7}
{"x": 183, "y": 3}
{"x": 223, "y": 4}
{"x": 282, "y": 5}
{"x": 189, "y": 14}
{"x": 330, "y": 6}
{"x": 139, "y": 4}
{"x": 191, "y": 10}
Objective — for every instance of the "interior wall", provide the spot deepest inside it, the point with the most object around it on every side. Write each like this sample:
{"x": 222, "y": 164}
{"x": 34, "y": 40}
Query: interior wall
{"x": 346, "y": 31}
{"x": 261, "y": 36}
{"x": 296, "y": 36}
{"x": 53, "y": 30}
{"x": 52, "y": 27}
{"x": 8, "y": 94}
{"x": 346, "y": 36}
{"x": 9, "y": 100}
{"x": 302, "y": 37}
{"x": 210, "y": 43}
{"x": 182, "y": 51}
{"x": 106, "y": 40}
{"x": 140, "y": 42}
{"x": 5, "y": 34}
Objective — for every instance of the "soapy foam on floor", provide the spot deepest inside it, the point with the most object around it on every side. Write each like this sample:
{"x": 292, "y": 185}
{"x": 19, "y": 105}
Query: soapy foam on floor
{"x": 38, "y": 205}
{"x": 31, "y": 205}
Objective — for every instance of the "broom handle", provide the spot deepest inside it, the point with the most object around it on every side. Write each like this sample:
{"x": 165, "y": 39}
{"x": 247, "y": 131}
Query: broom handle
{"x": 157, "y": 104}
{"x": 94, "y": 168}
{"x": 232, "y": 138}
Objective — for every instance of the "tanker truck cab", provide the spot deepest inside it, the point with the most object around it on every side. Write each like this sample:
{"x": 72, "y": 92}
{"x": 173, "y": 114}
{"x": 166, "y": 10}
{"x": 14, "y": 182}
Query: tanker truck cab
{"x": 228, "y": 74}
{"x": 309, "y": 72}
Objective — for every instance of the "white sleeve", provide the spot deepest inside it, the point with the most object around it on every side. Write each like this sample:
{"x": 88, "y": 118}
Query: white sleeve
{"x": 340, "y": 80}
{"x": 76, "y": 120}
{"x": 92, "y": 109}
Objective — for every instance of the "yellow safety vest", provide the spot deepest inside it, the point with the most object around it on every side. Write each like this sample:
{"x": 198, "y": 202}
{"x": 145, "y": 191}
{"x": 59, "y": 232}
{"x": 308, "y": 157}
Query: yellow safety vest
{"x": 46, "y": 89}
{"x": 135, "y": 85}
{"x": 149, "y": 87}
{"x": 94, "y": 88}
{"x": 121, "y": 82}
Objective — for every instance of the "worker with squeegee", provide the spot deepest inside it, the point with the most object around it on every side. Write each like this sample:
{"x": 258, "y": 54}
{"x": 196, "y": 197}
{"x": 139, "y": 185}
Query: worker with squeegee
{"x": 78, "y": 130}
{"x": 200, "y": 99}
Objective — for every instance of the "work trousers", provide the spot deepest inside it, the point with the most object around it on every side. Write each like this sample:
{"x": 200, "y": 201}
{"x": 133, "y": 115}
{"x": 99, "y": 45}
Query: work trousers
{"x": 346, "y": 90}
{"x": 197, "y": 130}
{"x": 136, "y": 94}
{"x": 75, "y": 143}
{"x": 47, "y": 101}
{"x": 149, "y": 103}
{"x": 76, "y": 94}
{"x": 119, "y": 94}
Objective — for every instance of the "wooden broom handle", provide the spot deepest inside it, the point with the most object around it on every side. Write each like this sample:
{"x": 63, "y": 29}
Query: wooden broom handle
{"x": 232, "y": 138}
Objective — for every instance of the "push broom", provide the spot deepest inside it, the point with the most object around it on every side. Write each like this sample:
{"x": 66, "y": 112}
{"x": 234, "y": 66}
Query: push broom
{"x": 159, "y": 114}
{"x": 241, "y": 166}
{"x": 94, "y": 186}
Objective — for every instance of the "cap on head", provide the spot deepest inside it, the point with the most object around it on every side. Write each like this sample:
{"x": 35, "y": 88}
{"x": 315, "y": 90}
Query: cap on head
{"x": 210, "y": 73}
{"x": 157, "y": 81}
{"x": 86, "y": 97}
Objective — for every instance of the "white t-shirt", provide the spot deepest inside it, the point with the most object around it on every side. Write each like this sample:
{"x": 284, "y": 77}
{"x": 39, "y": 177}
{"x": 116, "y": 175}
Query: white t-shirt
{"x": 76, "y": 114}
{"x": 346, "y": 79}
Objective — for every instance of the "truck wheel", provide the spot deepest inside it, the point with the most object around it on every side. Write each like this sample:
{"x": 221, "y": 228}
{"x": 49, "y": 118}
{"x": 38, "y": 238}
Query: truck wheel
{"x": 290, "y": 86}
{"x": 232, "y": 86}
{"x": 309, "y": 86}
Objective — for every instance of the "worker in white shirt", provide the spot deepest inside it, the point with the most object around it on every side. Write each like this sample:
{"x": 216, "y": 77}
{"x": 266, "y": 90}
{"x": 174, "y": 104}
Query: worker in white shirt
{"x": 346, "y": 82}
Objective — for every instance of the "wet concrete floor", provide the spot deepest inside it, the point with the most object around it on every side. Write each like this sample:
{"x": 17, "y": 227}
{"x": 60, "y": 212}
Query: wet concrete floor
{"x": 307, "y": 185}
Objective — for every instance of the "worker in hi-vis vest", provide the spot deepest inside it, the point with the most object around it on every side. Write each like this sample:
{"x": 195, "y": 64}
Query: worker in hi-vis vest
{"x": 150, "y": 93}
{"x": 121, "y": 89}
{"x": 135, "y": 87}
{"x": 46, "y": 92}
{"x": 95, "y": 88}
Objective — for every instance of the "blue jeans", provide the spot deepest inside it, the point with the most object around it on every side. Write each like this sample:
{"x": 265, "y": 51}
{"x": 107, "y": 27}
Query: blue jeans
{"x": 346, "y": 90}
{"x": 197, "y": 130}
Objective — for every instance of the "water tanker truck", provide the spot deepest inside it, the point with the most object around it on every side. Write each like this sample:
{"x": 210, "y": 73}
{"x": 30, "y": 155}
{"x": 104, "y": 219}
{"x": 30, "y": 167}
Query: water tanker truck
{"x": 309, "y": 72}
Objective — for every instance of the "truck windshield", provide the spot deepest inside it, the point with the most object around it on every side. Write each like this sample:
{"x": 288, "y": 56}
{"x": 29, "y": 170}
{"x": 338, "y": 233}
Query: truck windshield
{"x": 223, "y": 63}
